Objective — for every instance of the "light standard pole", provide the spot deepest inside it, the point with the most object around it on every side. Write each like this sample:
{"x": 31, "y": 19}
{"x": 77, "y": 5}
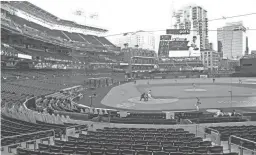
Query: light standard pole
{"x": 231, "y": 96}
{"x": 231, "y": 91}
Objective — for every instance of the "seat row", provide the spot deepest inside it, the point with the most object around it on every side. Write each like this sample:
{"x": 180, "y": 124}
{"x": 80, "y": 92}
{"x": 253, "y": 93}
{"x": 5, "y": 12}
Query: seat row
{"x": 228, "y": 128}
{"x": 143, "y": 121}
{"x": 144, "y": 141}
{"x": 82, "y": 151}
{"x": 135, "y": 148}
{"x": 142, "y": 129}
{"x": 128, "y": 144}
{"x": 140, "y": 134}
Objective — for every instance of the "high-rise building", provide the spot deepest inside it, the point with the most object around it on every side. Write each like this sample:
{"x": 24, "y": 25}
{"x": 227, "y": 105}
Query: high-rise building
{"x": 140, "y": 39}
{"x": 247, "y": 47}
{"x": 195, "y": 19}
{"x": 232, "y": 40}
{"x": 210, "y": 59}
{"x": 210, "y": 46}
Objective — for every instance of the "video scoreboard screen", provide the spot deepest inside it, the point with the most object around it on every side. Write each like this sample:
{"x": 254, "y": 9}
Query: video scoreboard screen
{"x": 179, "y": 43}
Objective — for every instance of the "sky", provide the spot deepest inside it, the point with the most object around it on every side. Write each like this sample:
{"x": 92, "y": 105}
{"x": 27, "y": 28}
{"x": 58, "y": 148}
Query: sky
{"x": 120, "y": 16}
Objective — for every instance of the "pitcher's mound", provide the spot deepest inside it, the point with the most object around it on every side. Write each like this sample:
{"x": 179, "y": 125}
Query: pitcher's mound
{"x": 152, "y": 101}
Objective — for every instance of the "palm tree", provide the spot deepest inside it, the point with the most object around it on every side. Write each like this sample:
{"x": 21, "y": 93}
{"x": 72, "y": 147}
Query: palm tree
{"x": 126, "y": 45}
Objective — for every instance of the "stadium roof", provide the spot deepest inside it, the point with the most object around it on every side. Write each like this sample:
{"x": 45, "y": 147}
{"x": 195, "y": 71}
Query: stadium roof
{"x": 39, "y": 12}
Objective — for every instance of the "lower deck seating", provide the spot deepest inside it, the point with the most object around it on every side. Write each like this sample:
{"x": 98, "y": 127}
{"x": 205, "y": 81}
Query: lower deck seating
{"x": 131, "y": 141}
{"x": 245, "y": 132}
{"x": 15, "y": 127}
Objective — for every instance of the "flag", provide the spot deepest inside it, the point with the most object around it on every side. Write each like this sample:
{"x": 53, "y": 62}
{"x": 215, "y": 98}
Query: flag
{"x": 78, "y": 12}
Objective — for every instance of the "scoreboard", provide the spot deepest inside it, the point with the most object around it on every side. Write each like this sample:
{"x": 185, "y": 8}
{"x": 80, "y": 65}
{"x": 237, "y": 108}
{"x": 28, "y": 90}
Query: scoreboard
{"x": 178, "y": 31}
{"x": 165, "y": 37}
{"x": 179, "y": 43}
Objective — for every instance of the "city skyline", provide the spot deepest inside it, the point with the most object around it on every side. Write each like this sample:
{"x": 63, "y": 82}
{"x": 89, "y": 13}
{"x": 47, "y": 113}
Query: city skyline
{"x": 140, "y": 39}
{"x": 189, "y": 18}
{"x": 118, "y": 17}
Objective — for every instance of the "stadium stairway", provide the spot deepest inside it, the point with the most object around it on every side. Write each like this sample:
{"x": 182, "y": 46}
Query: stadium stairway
{"x": 65, "y": 35}
{"x": 83, "y": 38}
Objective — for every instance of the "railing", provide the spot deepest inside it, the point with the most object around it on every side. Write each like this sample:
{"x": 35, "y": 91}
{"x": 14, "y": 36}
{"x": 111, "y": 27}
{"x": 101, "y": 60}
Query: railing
{"x": 241, "y": 146}
{"x": 214, "y": 135}
{"x": 14, "y": 139}
{"x": 72, "y": 130}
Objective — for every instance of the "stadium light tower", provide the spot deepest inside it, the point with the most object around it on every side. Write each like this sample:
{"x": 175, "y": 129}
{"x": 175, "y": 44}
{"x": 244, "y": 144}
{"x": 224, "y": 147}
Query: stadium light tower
{"x": 83, "y": 14}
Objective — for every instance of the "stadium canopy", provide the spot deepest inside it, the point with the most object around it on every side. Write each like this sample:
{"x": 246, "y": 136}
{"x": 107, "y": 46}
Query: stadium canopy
{"x": 38, "y": 12}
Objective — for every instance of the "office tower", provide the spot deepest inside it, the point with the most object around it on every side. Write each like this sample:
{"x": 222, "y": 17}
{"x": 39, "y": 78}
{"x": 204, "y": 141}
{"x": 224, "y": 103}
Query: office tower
{"x": 232, "y": 40}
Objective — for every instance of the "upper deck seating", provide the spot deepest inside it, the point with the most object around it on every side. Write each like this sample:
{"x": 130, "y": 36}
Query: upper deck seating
{"x": 57, "y": 34}
{"x": 104, "y": 41}
{"x": 23, "y": 5}
{"x": 91, "y": 39}
{"x": 74, "y": 36}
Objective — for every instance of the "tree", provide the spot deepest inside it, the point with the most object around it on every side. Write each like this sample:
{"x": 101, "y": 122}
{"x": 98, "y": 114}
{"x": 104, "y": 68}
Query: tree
{"x": 126, "y": 45}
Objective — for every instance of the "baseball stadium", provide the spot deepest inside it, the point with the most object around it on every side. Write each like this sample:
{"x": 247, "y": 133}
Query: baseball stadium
{"x": 66, "y": 89}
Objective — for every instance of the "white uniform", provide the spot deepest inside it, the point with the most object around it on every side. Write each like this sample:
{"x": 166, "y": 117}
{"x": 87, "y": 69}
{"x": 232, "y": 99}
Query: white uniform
{"x": 149, "y": 94}
{"x": 194, "y": 86}
{"x": 193, "y": 49}
{"x": 197, "y": 105}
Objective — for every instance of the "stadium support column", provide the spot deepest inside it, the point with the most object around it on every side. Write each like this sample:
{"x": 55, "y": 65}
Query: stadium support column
{"x": 91, "y": 98}
{"x": 130, "y": 69}
{"x": 130, "y": 64}
{"x": 10, "y": 41}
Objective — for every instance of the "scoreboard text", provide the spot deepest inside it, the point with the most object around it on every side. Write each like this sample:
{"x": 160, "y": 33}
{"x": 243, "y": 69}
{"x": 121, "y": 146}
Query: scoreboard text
{"x": 177, "y": 31}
